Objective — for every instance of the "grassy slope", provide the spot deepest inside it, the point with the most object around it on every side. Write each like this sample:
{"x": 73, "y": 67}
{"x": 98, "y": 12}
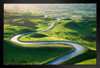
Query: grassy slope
{"x": 80, "y": 58}
{"x": 25, "y": 54}
{"x": 42, "y": 23}
{"x": 15, "y": 53}
{"x": 10, "y": 31}
{"x": 87, "y": 62}
{"x": 76, "y": 32}
{"x": 33, "y": 37}
{"x": 82, "y": 32}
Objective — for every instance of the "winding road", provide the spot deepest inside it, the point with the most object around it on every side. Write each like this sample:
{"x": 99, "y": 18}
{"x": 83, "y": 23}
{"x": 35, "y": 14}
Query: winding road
{"x": 79, "y": 48}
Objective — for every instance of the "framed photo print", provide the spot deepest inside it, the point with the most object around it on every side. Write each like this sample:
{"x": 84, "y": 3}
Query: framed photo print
{"x": 44, "y": 34}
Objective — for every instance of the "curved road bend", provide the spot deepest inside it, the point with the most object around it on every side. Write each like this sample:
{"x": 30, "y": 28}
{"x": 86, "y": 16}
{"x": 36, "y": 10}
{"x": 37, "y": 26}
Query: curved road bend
{"x": 79, "y": 48}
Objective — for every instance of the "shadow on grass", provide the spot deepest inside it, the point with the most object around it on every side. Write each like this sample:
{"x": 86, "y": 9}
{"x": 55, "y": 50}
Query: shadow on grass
{"x": 36, "y": 35}
{"x": 79, "y": 26}
{"x": 85, "y": 56}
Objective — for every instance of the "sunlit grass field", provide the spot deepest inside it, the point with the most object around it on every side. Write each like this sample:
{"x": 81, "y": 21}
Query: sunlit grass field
{"x": 87, "y": 62}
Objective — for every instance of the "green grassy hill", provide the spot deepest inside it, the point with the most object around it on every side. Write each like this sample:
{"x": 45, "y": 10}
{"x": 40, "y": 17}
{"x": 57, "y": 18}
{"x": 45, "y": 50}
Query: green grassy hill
{"x": 78, "y": 24}
{"x": 82, "y": 31}
{"x": 78, "y": 31}
{"x": 87, "y": 62}
{"x": 19, "y": 54}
